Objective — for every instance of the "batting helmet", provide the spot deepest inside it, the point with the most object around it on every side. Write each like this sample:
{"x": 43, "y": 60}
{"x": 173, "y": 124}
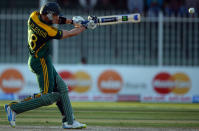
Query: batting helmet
{"x": 50, "y": 8}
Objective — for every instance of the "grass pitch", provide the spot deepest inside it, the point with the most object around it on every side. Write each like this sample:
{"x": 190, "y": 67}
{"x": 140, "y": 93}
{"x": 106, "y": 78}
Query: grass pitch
{"x": 117, "y": 114}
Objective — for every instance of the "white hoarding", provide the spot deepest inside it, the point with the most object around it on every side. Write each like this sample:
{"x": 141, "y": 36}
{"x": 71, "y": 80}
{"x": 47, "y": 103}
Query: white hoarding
{"x": 108, "y": 83}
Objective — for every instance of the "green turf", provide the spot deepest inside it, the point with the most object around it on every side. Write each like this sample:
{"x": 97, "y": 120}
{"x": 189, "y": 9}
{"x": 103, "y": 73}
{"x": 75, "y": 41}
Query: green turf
{"x": 120, "y": 114}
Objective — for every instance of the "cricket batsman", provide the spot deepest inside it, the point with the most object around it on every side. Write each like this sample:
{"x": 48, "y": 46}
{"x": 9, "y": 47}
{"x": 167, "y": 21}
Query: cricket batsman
{"x": 52, "y": 87}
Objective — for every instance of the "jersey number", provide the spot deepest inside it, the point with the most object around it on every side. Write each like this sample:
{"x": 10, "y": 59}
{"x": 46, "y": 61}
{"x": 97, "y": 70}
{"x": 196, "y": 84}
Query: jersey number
{"x": 32, "y": 41}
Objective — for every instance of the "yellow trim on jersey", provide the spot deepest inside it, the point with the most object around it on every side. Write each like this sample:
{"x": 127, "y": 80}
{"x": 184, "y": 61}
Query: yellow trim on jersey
{"x": 47, "y": 82}
{"x": 51, "y": 31}
{"x": 45, "y": 74}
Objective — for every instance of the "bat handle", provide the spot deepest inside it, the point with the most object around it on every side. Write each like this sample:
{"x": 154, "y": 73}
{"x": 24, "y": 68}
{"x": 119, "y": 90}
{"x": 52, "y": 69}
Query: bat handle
{"x": 84, "y": 22}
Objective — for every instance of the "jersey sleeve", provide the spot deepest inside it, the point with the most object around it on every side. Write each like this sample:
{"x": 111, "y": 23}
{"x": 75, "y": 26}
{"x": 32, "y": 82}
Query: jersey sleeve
{"x": 55, "y": 33}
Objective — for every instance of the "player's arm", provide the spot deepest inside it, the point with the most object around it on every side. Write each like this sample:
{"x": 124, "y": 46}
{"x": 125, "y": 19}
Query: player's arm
{"x": 79, "y": 28}
{"x": 73, "y": 32}
{"x": 77, "y": 20}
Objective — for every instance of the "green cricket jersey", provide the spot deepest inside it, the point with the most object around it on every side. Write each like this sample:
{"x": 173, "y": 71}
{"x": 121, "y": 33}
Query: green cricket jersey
{"x": 39, "y": 35}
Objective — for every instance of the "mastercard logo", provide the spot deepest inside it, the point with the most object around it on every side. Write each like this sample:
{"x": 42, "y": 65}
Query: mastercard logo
{"x": 78, "y": 82}
{"x": 165, "y": 83}
{"x": 11, "y": 81}
{"x": 69, "y": 79}
{"x": 110, "y": 82}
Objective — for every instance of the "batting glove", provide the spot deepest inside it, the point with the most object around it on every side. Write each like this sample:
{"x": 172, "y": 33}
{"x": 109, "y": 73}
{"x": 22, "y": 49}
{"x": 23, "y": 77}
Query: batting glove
{"x": 94, "y": 18}
{"x": 78, "y": 20}
{"x": 89, "y": 24}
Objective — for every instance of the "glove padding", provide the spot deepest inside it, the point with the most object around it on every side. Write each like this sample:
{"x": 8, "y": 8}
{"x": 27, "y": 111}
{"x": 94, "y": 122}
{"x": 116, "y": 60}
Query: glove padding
{"x": 89, "y": 24}
{"x": 94, "y": 18}
{"x": 78, "y": 20}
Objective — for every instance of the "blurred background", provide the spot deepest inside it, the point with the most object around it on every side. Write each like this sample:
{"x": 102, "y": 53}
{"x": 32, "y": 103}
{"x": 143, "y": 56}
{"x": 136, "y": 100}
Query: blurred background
{"x": 156, "y": 60}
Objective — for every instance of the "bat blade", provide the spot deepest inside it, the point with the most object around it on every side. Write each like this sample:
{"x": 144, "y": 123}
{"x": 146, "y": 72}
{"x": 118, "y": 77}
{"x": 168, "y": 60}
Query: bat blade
{"x": 118, "y": 19}
{"x": 115, "y": 19}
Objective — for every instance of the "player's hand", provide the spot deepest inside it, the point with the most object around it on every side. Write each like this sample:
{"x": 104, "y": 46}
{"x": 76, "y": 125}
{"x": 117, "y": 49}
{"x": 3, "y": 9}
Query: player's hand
{"x": 89, "y": 24}
{"x": 77, "y": 20}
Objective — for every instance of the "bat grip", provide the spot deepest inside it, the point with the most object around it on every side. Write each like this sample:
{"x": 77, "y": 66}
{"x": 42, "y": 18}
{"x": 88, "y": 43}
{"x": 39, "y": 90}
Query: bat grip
{"x": 84, "y": 22}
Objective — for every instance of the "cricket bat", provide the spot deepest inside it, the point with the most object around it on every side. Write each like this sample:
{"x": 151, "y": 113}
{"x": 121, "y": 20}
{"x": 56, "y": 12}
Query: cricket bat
{"x": 118, "y": 19}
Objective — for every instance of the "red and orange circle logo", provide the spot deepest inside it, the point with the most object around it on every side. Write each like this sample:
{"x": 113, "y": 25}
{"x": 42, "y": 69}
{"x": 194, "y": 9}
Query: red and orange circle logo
{"x": 110, "y": 82}
{"x": 165, "y": 83}
{"x": 83, "y": 82}
{"x": 69, "y": 79}
{"x": 78, "y": 82}
{"x": 11, "y": 81}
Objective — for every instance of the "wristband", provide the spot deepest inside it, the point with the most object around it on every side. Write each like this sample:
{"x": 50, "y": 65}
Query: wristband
{"x": 71, "y": 22}
{"x": 62, "y": 20}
